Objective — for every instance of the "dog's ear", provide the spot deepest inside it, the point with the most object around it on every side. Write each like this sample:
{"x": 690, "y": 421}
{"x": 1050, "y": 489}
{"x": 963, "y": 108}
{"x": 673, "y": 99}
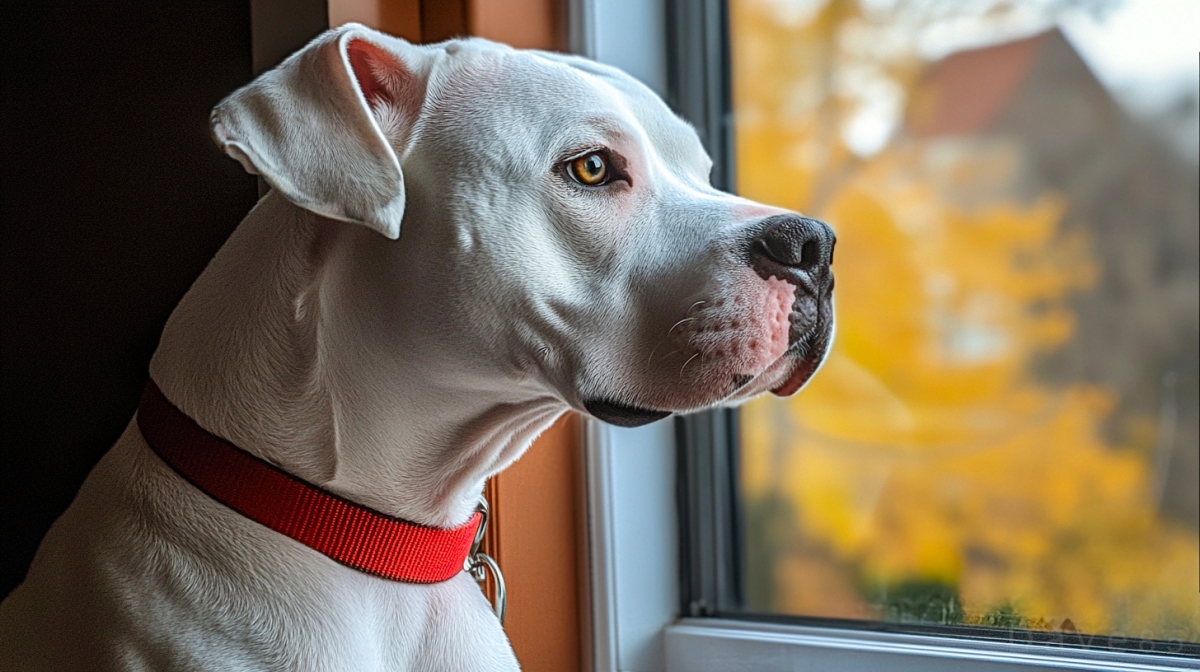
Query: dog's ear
{"x": 324, "y": 126}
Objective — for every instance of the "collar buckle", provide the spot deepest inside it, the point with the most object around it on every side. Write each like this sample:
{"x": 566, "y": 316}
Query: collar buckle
{"x": 479, "y": 563}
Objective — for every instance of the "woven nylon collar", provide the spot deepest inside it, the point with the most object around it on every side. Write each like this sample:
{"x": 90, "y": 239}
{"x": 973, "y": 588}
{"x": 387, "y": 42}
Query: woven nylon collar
{"x": 351, "y": 534}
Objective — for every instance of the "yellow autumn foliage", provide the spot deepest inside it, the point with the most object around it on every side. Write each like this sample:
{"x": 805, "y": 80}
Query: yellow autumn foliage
{"x": 927, "y": 447}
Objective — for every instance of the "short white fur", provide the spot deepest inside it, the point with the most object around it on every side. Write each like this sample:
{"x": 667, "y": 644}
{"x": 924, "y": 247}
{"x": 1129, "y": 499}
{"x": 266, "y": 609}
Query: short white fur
{"x": 397, "y": 370}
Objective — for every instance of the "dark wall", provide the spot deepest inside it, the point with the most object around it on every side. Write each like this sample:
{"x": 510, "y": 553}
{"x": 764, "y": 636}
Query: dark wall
{"x": 114, "y": 198}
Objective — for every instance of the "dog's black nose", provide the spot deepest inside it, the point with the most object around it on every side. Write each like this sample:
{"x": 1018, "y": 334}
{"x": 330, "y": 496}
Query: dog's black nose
{"x": 794, "y": 248}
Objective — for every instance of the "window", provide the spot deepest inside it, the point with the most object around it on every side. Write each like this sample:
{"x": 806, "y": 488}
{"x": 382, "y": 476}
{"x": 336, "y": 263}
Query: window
{"x": 1001, "y": 444}
{"x": 997, "y": 465}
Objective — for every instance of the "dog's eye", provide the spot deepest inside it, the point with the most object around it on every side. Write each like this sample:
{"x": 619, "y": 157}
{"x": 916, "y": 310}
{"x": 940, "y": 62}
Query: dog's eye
{"x": 590, "y": 169}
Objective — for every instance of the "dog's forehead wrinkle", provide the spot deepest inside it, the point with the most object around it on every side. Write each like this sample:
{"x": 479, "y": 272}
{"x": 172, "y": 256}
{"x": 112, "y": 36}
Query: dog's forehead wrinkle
{"x": 667, "y": 132}
{"x": 573, "y": 100}
{"x": 670, "y": 139}
{"x": 570, "y": 134}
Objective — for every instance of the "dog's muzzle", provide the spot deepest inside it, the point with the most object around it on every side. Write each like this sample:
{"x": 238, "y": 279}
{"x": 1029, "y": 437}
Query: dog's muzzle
{"x": 799, "y": 251}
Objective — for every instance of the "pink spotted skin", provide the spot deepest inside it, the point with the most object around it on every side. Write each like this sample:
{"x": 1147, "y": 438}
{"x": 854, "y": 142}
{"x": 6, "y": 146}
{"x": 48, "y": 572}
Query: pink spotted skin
{"x": 743, "y": 332}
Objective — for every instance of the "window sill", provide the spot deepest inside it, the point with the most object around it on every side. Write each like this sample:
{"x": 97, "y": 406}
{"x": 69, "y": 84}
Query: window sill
{"x": 704, "y": 645}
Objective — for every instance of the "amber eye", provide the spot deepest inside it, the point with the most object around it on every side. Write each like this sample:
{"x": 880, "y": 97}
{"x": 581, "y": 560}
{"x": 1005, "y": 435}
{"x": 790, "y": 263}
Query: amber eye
{"x": 590, "y": 169}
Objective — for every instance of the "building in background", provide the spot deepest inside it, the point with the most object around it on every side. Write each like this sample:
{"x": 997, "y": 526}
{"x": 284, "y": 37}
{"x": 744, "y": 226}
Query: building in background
{"x": 1133, "y": 196}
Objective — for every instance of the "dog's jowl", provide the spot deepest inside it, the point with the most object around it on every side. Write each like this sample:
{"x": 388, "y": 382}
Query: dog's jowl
{"x": 462, "y": 242}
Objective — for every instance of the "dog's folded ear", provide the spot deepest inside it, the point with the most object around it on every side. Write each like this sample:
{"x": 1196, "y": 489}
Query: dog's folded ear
{"x": 324, "y": 127}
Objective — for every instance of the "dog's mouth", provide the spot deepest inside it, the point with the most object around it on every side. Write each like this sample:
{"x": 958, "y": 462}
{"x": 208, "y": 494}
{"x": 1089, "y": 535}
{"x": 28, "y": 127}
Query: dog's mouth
{"x": 799, "y": 376}
{"x": 809, "y": 352}
{"x": 783, "y": 377}
{"x": 792, "y": 371}
{"x": 622, "y": 415}
{"x": 626, "y": 415}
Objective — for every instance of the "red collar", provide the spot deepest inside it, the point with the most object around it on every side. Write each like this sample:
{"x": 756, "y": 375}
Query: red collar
{"x": 349, "y": 533}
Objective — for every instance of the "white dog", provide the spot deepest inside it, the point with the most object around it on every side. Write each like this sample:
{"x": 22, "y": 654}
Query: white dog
{"x": 561, "y": 249}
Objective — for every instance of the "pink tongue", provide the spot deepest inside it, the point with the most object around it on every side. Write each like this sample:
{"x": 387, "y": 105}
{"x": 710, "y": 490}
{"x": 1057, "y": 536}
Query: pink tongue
{"x": 796, "y": 380}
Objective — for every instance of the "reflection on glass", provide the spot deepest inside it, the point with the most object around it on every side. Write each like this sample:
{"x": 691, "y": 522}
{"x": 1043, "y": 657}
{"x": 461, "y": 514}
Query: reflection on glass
{"x": 1005, "y": 433}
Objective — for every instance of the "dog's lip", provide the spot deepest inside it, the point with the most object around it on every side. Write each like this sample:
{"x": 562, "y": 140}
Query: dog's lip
{"x": 796, "y": 380}
{"x": 622, "y": 415}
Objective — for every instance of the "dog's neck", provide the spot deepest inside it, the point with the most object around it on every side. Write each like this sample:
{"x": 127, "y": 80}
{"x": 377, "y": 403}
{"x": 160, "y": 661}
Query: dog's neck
{"x": 279, "y": 347}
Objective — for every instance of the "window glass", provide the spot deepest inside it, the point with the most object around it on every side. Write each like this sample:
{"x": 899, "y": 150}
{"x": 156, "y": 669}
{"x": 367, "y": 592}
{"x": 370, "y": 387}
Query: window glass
{"x": 1005, "y": 432}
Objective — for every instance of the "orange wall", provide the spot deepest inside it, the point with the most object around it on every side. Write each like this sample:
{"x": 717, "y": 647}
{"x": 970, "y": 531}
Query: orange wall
{"x": 537, "y": 513}
{"x": 527, "y": 24}
{"x": 401, "y": 18}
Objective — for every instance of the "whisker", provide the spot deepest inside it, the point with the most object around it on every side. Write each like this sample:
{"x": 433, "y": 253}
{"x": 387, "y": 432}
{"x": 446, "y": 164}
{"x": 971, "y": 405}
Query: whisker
{"x": 686, "y": 319}
{"x": 689, "y": 361}
{"x": 651, "y": 357}
{"x": 698, "y": 303}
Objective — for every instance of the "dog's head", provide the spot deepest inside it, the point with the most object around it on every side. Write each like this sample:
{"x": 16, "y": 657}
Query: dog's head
{"x": 559, "y": 229}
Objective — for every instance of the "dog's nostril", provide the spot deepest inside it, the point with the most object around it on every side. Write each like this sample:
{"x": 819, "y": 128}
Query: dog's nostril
{"x": 810, "y": 254}
{"x": 772, "y": 249}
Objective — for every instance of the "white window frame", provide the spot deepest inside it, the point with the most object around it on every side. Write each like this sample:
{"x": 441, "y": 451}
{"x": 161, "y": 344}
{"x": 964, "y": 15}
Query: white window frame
{"x": 632, "y": 517}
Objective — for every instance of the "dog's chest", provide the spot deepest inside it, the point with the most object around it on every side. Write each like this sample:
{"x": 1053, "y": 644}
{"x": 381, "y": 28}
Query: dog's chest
{"x": 281, "y": 605}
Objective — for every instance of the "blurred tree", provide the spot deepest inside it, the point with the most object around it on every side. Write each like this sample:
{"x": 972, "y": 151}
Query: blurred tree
{"x": 928, "y": 464}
